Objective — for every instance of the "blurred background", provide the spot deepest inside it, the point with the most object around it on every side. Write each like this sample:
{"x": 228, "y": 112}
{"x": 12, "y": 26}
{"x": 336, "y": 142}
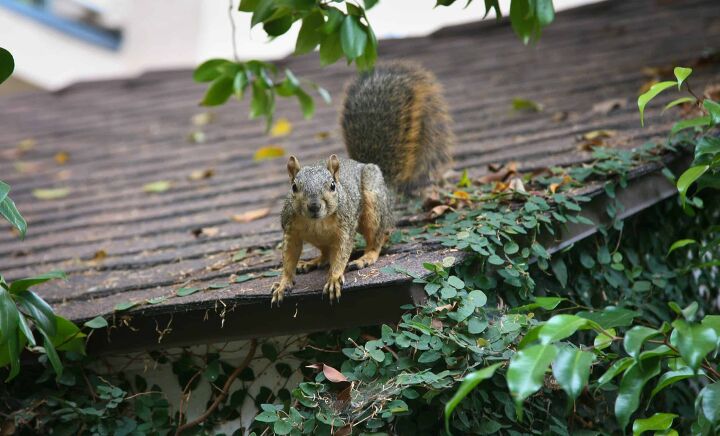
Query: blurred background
{"x": 59, "y": 42}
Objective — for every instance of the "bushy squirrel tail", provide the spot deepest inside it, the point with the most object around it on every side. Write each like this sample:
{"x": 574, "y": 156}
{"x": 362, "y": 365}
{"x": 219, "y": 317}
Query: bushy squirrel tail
{"x": 396, "y": 117}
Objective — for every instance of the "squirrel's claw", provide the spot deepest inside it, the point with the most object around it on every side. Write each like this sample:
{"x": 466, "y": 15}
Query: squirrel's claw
{"x": 278, "y": 292}
{"x": 333, "y": 287}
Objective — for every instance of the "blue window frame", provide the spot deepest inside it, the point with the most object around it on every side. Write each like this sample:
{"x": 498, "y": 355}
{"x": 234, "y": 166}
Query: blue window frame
{"x": 42, "y": 11}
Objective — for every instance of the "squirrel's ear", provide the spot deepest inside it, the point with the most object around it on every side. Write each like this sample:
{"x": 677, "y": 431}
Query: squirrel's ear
{"x": 333, "y": 166}
{"x": 293, "y": 167}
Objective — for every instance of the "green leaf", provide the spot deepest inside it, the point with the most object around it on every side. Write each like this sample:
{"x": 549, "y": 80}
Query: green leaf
{"x": 611, "y": 317}
{"x": 692, "y": 122}
{"x": 522, "y": 104}
{"x": 7, "y": 64}
{"x": 526, "y": 372}
{"x": 68, "y": 336}
{"x": 670, "y": 378}
{"x": 544, "y": 12}
{"x": 309, "y": 36}
{"x": 330, "y": 49}
{"x": 125, "y": 305}
{"x": 9, "y": 211}
{"x": 248, "y": 5}
{"x": 282, "y": 426}
{"x": 267, "y": 416}
{"x": 615, "y": 369}
{"x": 39, "y": 310}
{"x": 602, "y": 340}
{"x": 96, "y": 323}
{"x": 184, "y": 291}
{"x": 209, "y": 70}
{"x": 678, "y": 101}
{"x": 52, "y": 355}
{"x": 560, "y": 327}
{"x": 261, "y": 104}
{"x": 278, "y": 26}
{"x": 571, "y": 369}
{"x": 469, "y": 383}
{"x": 263, "y": 11}
{"x": 657, "y": 422}
{"x": 636, "y": 337}
{"x": 693, "y": 341}
{"x": 477, "y": 298}
{"x": 240, "y": 82}
{"x": 631, "y": 386}
{"x": 9, "y": 323}
{"x": 219, "y": 91}
{"x": 651, "y": 93}
{"x": 680, "y": 243}
{"x": 681, "y": 73}
{"x": 353, "y": 38}
{"x": 688, "y": 178}
{"x": 369, "y": 3}
{"x": 306, "y": 103}
{"x": 455, "y": 282}
{"x": 714, "y": 109}
{"x": 710, "y": 402}
{"x": 560, "y": 271}
{"x": 24, "y": 284}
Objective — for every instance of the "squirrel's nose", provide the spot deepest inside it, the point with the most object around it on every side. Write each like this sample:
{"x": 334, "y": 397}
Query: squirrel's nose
{"x": 314, "y": 207}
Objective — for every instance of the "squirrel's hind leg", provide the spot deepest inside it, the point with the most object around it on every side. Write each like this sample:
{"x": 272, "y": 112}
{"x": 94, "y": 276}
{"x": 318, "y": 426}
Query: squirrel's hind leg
{"x": 305, "y": 266}
{"x": 375, "y": 218}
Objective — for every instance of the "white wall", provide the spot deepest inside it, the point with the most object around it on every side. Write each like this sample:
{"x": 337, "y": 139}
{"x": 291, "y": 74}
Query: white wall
{"x": 182, "y": 33}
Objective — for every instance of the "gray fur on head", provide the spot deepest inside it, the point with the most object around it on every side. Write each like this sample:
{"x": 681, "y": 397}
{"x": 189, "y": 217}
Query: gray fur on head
{"x": 313, "y": 189}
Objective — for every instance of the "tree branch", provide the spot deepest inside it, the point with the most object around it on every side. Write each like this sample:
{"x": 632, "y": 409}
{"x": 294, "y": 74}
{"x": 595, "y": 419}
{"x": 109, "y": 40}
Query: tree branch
{"x": 224, "y": 393}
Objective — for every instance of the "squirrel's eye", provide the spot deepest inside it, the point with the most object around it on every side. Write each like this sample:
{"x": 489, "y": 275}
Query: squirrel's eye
{"x": 332, "y": 186}
{"x": 294, "y": 188}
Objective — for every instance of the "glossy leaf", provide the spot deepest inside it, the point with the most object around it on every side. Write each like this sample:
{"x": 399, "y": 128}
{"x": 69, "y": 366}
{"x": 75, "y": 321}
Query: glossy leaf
{"x": 209, "y": 70}
{"x": 469, "y": 383}
{"x": 693, "y": 341}
{"x": 219, "y": 91}
{"x": 9, "y": 320}
{"x": 636, "y": 337}
{"x": 526, "y": 372}
{"x": 681, "y": 73}
{"x": 9, "y": 211}
{"x": 602, "y": 340}
{"x": 681, "y": 243}
{"x": 710, "y": 402}
{"x": 678, "y": 101}
{"x": 309, "y": 36}
{"x": 657, "y": 422}
{"x": 68, "y": 337}
{"x": 571, "y": 369}
{"x": 631, "y": 386}
{"x": 353, "y": 38}
{"x": 615, "y": 369}
{"x": 96, "y": 323}
{"x": 651, "y": 93}
{"x": 560, "y": 327}
{"x": 713, "y": 109}
{"x": 670, "y": 378}
{"x": 24, "y": 284}
{"x": 41, "y": 312}
{"x": 688, "y": 178}
{"x": 691, "y": 123}
{"x": 7, "y": 64}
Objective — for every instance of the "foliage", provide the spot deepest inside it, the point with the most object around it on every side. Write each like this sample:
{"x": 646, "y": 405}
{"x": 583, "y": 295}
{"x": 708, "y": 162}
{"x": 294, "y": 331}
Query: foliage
{"x": 7, "y": 65}
{"x": 339, "y": 33}
{"x": 9, "y": 211}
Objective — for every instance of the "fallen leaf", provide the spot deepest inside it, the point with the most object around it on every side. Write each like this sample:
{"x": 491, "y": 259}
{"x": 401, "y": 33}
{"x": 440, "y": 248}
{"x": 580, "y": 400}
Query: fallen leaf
{"x": 444, "y": 307}
{"x": 269, "y": 152}
{"x": 282, "y": 127}
{"x": 27, "y": 144}
{"x": 50, "y": 194}
{"x": 330, "y": 373}
{"x": 201, "y": 174}
{"x": 322, "y": 135}
{"x": 206, "y": 232}
{"x": 157, "y": 187}
{"x": 437, "y": 324}
{"x": 438, "y": 211}
{"x": 499, "y": 172}
{"x": 203, "y": 119}
{"x": 62, "y": 157}
{"x": 99, "y": 256}
{"x": 28, "y": 167}
{"x": 196, "y": 137}
{"x": 607, "y": 106}
{"x": 522, "y": 104}
{"x": 250, "y": 215}
{"x": 597, "y": 134}
{"x": 500, "y": 187}
{"x": 239, "y": 255}
{"x": 462, "y": 195}
{"x": 516, "y": 184}
{"x": 560, "y": 116}
{"x": 554, "y": 187}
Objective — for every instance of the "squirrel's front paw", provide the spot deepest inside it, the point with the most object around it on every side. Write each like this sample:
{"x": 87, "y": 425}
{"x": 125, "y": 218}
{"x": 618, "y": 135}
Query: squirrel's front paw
{"x": 278, "y": 291}
{"x": 333, "y": 287}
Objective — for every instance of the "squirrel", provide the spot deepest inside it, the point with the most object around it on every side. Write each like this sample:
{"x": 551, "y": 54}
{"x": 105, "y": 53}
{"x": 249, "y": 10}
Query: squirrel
{"x": 397, "y": 132}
